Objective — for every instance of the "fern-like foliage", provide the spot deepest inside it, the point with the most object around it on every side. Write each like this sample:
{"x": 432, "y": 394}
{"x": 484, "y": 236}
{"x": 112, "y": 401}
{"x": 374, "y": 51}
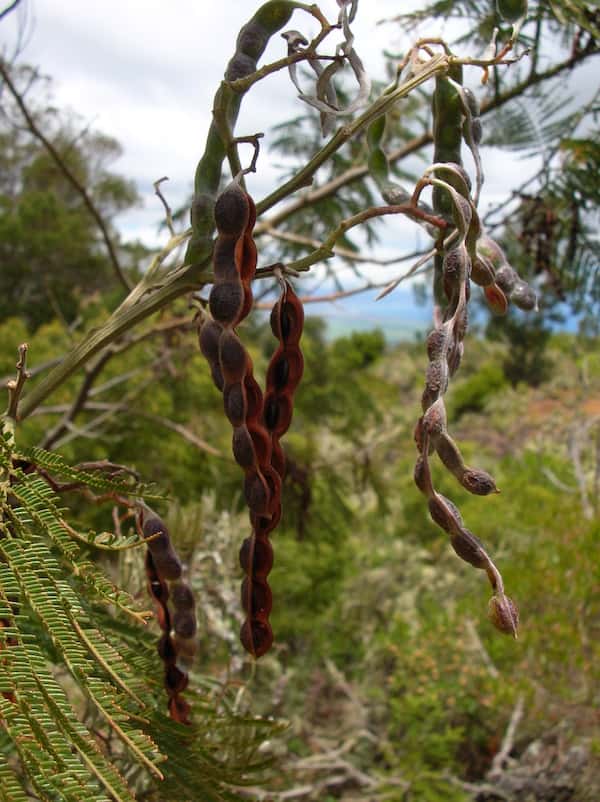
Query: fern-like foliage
{"x": 81, "y": 700}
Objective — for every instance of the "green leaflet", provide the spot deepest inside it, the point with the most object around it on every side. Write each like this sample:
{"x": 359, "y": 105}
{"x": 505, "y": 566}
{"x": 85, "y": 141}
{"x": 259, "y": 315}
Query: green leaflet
{"x": 75, "y": 661}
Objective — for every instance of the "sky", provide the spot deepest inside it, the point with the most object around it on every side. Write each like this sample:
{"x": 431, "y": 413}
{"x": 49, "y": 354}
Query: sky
{"x": 145, "y": 72}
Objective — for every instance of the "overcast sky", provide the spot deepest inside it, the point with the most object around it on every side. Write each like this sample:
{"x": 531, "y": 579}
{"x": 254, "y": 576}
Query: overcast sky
{"x": 145, "y": 72}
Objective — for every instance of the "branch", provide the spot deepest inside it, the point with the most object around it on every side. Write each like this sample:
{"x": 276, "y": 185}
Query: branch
{"x": 15, "y": 386}
{"x": 412, "y": 146}
{"x": 10, "y": 8}
{"x": 508, "y": 740}
{"x": 69, "y": 175}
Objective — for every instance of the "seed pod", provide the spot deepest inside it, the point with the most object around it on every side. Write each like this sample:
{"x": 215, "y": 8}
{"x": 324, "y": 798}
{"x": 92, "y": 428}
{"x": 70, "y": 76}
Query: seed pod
{"x": 496, "y": 299}
{"x": 256, "y": 557}
{"x": 504, "y": 614}
{"x": 489, "y": 248}
{"x": 257, "y": 599}
{"x": 433, "y": 421}
{"x": 224, "y": 264}
{"x": 225, "y": 302}
{"x": 482, "y": 272}
{"x": 478, "y": 482}
{"x": 234, "y": 401}
{"x": 182, "y": 596}
{"x": 450, "y": 455}
{"x": 209, "y": 340}
{"x": 469, "y": 548}
{"x": 506, "y": 278}
{"x": 184, "y": 623}
{"x": 523, "y": 296}
{"x": 436, "y": 343}
{"x": 256, "y": 637}
{"x": 243, "y": 448}
{"x": 232, "y": 355}
{"x": 445, "y": 514}
{"x": 232, "y": 211}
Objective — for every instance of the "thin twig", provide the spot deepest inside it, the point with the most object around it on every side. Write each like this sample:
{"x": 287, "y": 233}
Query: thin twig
{"x": 15, "y": 386}
{"x": 508, "y": 741}
{"x": 69, "y": 175}
{"x": 10, "y": 8}
{"x": 161, "y": 197}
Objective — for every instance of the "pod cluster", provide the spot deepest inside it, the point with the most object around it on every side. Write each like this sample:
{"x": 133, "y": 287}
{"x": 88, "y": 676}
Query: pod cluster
{"x": 256, "y": 554}
{"x": 257, "y": 422}
{"x": 464, "y": 255}
{"x": 175, "y": 611}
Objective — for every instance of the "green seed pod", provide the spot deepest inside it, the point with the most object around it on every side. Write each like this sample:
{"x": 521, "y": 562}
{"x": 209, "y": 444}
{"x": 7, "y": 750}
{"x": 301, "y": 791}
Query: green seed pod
{"x": 472, "y": 102}
{"x": 504, "y": 614}
{"x": 512, "y": 10}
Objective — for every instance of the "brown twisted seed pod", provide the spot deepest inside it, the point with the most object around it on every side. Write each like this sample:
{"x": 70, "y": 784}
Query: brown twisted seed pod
{"x": 420, "y": 475}
{"x": 235, "y": 404}
{"x": 257, "y": 599}
{"x": 256, "y": 637}
{"x": 523, "y": 296}
{"x": 256, "y": 557}
{"x": 437, "y": 341}
{"x": 445, "y": 514}
{"x": 184, "y": 623}
{"x": 504, "y": 614}
{"x": 166, "y": 648}
{"x": 482, "y": 272}
{"x": 224, "y": 266}
{"x": 450, "y": 455}
{"x": 182, "y": 596}
{"x": 506, "y": 278}
{"x": 226, "y": 301}
{"x": 469, "y": 548}
{"x": 433, "y": 422}
{"x": 232, "y": 355}
{"x": 478, "y": 482}
{"x": 436, "y": 382}
{"x": 209, "y": 340}
{"x": 232, "y": 211}
{"x": 256, "y": 493}
{"x": 243, "y": 448}
{"x": 176, "y": 680}
{"x": 455, "y": 355}
{"x": 168, "y": 565}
